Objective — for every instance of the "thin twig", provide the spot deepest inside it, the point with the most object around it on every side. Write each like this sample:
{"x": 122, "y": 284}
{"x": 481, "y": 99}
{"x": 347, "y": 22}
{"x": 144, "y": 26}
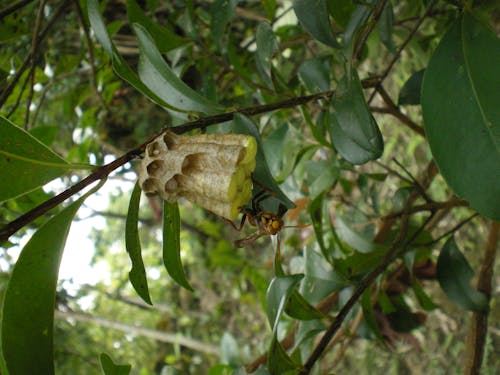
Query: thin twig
{"x": 402, "y": 47}
{"x": 370, "y": 25}
{"x": 33, "y": 53}
{"x": 393, "y": 110}
{"x": 358, "y": 291}
{"x": 103, "y": 171}
{"x": 447, "y": 233}
{"x": 11, "y": 9}
{"x": 479, "y": 325}
{"x": 432, "y": 206}
{"x": 90, "y": 48}
{"x": 10, "y": 87}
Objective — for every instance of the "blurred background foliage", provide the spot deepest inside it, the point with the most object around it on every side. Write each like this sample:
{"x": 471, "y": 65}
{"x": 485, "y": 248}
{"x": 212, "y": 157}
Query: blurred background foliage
{"x": 70, "y": 98}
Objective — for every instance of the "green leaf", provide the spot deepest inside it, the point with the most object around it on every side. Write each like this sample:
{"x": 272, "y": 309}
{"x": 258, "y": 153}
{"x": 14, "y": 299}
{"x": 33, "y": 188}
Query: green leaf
{"x": 172, "y": 245}
{"x": 368, "y": 314}
{"x": 230, "y": 353}
{"x": 353, "y": 130}
{"x": 28, "y": 306}
{"x": 354, "y": 239}
{"x": 315, "y": 73}
{"x": 316, "y": 213}
{"x": 341, "y": 11}
{"x": 455, "y": 274}
{"x": 164, "y": 39}
{"x": 266, "y": 47}
{"x": 357, "y": 20}
{"x": 45, "y": 134}
{"x": 120, "y": 66}
{"x": 422, "y": 298}
{"x": 279, "y": 291}
{"x": 384, "y": 27}
{"x": 221, "y": 13}
{"x": 137, "y": 274}
{"x": 313, "y": 16}
{"x": 299, "y": 308}
{"x": 278, "y": 361}
{"x": 25, "y": 162}
{"x": 108, "y": 367}
{"x": 261, "y": 174}
{"x": 410, "y": 92}
{"x": 461, "y": 113}
{"x": 159, "y": 78}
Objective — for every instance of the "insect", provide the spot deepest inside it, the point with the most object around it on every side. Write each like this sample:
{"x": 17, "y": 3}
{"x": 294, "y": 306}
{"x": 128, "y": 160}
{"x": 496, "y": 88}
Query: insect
{"x": 268, "y": 223}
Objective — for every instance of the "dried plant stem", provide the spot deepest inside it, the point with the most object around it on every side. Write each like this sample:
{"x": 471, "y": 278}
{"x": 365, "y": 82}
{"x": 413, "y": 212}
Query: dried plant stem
{"x": 479, "y": 324}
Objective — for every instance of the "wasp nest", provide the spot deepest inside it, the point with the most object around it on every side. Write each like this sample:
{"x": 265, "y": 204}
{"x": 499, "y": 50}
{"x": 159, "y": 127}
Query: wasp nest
{"x": 211, "y": 170}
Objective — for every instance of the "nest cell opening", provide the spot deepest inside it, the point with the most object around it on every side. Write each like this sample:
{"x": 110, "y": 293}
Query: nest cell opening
{"x": 169, "y": 140}
{"x": 153, "y": 149}
{"x": 172, "y": 184}
{"x": 156, "y": 168}
{"x": 149, "y": 187}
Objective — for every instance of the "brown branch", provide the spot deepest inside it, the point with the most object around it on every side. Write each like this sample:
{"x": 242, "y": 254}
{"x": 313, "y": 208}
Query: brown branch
{"x": 287, "y": 342}
{"x": 479, "y": 325}
{"x": 393, "y": 110}
{"x": 171, "y": 338}
{"x": 402, "y": 47}
{"x": 365, "y": 32}
{"x": 33, "y": 53}
{"x": 431, "y": 206}
{"x": 103, "y": 171}
{"x": 11, "y": 9}
{"x": 358, "y": 291}
{"x": 90, "y": 47}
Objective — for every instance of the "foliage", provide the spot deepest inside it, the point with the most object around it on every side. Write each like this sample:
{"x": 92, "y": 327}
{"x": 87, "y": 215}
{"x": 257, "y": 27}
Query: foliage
{"x": 398, "y": 207}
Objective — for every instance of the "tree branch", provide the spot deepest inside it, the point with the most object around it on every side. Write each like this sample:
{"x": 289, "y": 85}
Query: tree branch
{"x": 171, "y": 338}
{"x": 401, "y": 48}
{"x": 103, "y": 171}
{"x": 11, "y": 9}
{"x": 479, "y": 325}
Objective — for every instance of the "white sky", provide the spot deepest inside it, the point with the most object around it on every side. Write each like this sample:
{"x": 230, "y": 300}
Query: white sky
{"x": 75, "y": 264}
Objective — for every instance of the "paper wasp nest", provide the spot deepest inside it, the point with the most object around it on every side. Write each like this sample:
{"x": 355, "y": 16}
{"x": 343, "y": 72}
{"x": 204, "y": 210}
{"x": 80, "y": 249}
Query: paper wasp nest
{"x": 211, "y": 170}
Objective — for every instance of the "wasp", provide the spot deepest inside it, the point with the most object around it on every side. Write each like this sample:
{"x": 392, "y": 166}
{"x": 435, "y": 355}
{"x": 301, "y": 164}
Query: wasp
{"x": 268, "y": 224}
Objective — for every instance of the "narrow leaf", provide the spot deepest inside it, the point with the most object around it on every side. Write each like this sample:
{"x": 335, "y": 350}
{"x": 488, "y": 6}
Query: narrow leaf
{"x": 25, "y": 162}
{"x": 279, "y": 291}
{"x": 315, "y": 73}
{"x": 316, "y": 213}
{"x": 353, "y": 238}
{"x": 164, "y": 39}
{"x": 137, "y": 274}
{"x": 368, "y": 314}
{"x": 410, "y": 92}
{"x": 159, "y": 78}
{"x": 266, "y": 47}
{"x": 278, "y": 361}
{"x": 455, "y": 274}
{"x": 172, "y": 244}
{"x": 120, "y": 66}
{"x": 353, "y": 130}
{"x": 28, "y": 307}
{"x": 313, "y": 16}
{"x": 109, "y": 367}
{"x": 299, "y": 308}
{"x": 461, "y": 113}
{"x": 221, "y": 13}
{"x": 384, "y": 27}
{"x": 422, "y": 298}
